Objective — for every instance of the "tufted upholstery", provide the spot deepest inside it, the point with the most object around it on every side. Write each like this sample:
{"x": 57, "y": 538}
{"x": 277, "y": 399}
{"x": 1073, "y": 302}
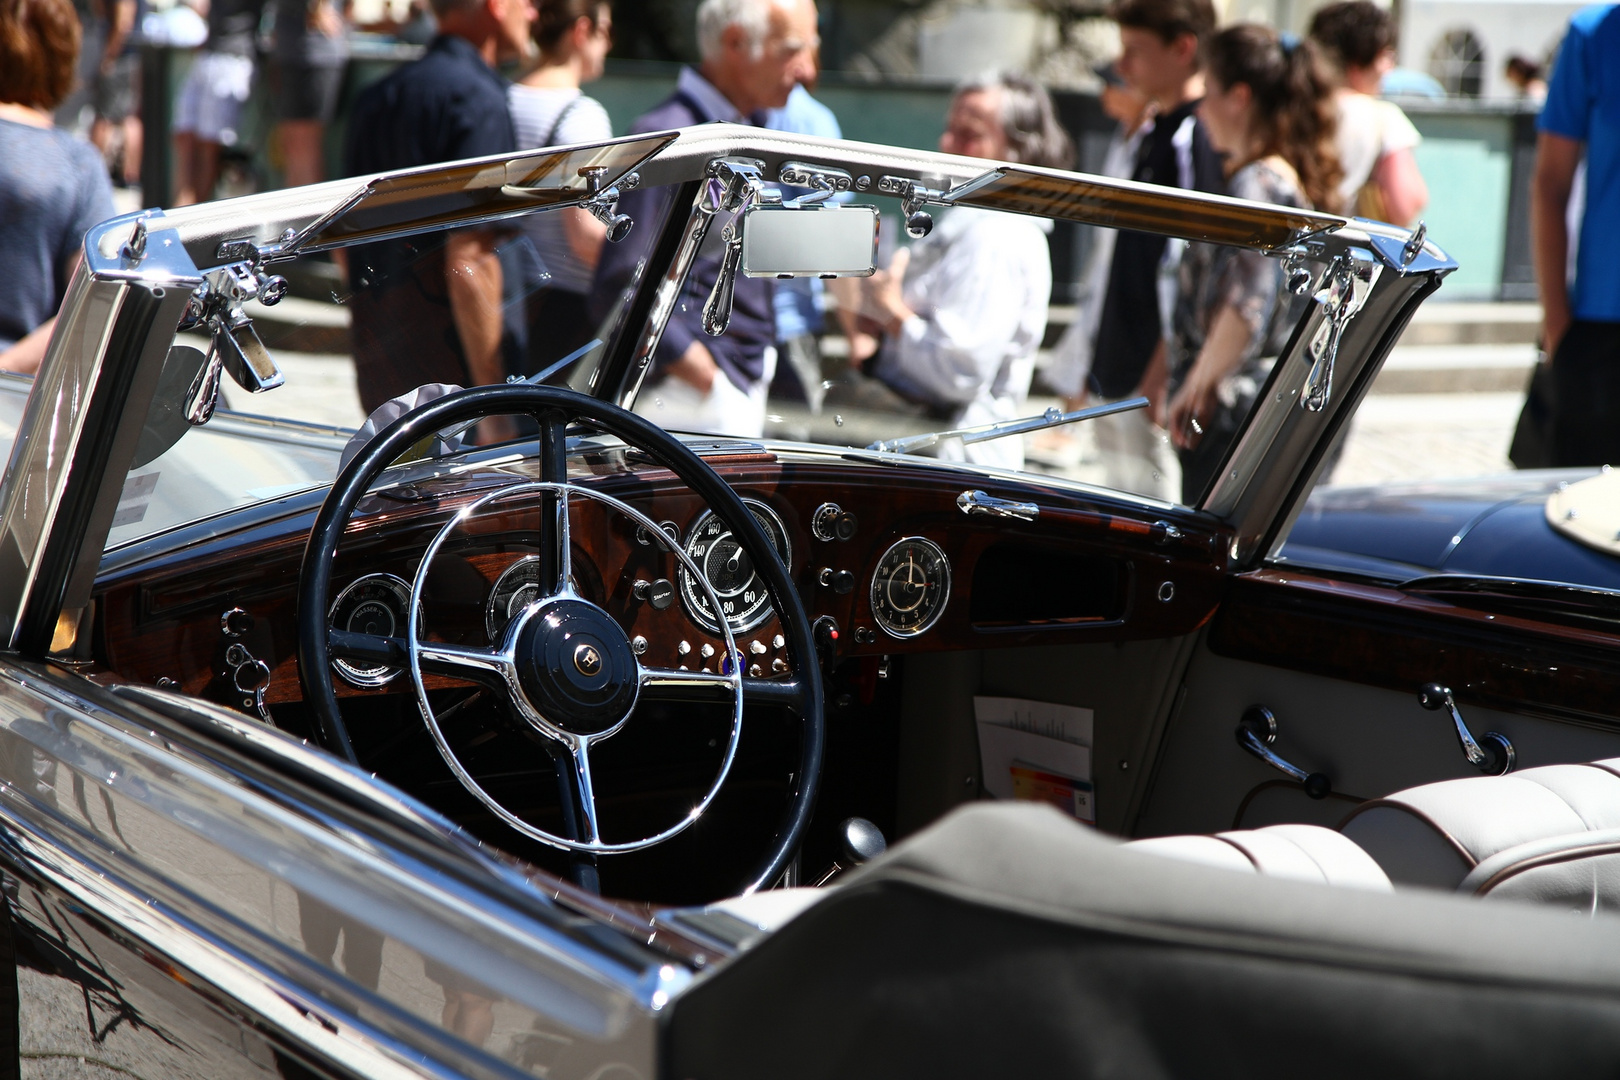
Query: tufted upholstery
{"x": 1549, "y": 835}
{"x": 1300, "y": 852}
{"x": 1438, "y": 834}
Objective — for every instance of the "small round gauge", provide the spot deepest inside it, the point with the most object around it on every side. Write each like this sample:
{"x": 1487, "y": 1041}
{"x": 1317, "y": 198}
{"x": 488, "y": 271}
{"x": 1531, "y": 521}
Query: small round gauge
{"x": 516, "y": 588}
{"x": 375, "y": 604}
{"x": 729, "y": 570}
{"x": 910, "y": 587}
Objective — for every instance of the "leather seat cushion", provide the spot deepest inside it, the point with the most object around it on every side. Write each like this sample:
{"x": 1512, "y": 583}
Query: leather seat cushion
{"x": 1436, "y": 834}
{"x": 1298, "y": 852}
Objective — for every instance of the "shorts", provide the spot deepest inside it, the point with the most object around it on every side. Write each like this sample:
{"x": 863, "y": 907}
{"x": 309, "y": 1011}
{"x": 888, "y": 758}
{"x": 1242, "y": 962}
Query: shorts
{"x": 306, "y": 91}
{"x": 210, "y": 102}
{"x": 113, "y": 92}
{"x": 1586, "y": 395}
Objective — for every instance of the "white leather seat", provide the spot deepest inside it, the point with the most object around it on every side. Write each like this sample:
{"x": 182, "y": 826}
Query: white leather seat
{"x": 1438, "y": 834}
{"x": 1549, "y": 835}
{"x": 1300, "y": 852}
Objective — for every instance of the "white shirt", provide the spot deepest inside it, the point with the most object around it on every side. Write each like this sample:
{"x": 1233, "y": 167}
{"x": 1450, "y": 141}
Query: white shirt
{"x": 979, "y": 284}
{"x": 1369, "y": 129}
{"x": 556, "y": 116}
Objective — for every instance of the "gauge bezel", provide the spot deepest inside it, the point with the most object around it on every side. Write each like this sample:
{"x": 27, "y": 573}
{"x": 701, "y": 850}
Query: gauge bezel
{"x": 489, "y": 606}
{"x": 370, "y": 676}
{"x": 872, "y": 589}
{"x": 765, "y": 610}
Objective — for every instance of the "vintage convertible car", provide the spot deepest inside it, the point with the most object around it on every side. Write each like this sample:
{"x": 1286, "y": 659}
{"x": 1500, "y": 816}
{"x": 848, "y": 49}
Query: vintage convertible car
{"x": 555, "y": 757}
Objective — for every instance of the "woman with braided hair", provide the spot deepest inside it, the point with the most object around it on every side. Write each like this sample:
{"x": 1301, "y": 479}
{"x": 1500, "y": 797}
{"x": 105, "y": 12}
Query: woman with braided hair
{"x": 1269, "y": 110}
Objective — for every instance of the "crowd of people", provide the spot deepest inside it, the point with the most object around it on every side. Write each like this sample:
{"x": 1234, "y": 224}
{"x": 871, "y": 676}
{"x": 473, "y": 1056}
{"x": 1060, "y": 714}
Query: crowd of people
{"x": 949, "y": 328}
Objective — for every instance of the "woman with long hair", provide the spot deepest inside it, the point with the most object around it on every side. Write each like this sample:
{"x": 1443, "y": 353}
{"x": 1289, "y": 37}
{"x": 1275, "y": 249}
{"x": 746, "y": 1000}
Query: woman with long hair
{"x": 548, "y": 109}
{"x": 1269, "y": 109}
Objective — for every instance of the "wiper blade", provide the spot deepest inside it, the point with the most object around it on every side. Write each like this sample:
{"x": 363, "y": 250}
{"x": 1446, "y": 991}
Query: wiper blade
{"x": 1052, "y": 417}
{"x": 1521, "y": 593}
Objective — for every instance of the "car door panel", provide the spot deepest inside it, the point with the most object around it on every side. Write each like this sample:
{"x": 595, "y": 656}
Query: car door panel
{"x": 220, "y": 900}
{"x": 1339, "y": 665}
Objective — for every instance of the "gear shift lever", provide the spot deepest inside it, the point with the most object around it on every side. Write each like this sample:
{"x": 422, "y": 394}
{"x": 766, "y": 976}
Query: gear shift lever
{"x": 859, "y": 841}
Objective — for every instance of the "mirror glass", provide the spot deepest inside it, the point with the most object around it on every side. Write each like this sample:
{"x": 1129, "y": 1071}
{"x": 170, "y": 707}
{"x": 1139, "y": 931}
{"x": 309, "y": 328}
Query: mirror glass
{"x": 809, "y": 241}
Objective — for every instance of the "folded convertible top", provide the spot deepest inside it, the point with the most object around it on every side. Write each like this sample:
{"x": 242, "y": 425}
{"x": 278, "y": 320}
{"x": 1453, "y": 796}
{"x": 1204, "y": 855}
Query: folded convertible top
{"x": 1009, "y": 941}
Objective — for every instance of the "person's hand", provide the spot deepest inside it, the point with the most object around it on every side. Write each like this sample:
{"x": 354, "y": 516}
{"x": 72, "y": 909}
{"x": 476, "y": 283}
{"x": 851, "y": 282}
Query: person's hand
{"x": 1191, "y": 410}
{"x": 696, "y": 367}
{"x": 1554, "y": 325}
{"x": 862, "y": 347}
{"x": 883, "y": 293}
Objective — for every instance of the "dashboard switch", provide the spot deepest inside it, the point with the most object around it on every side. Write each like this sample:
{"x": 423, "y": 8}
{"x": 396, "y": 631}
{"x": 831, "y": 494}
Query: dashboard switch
{"x": 825, "y": 632}
{"x": 659, "y": 593}
{"x": 833, "y": 522}
{"x": 864, "y": 635}
{"x": 841, "y": 582}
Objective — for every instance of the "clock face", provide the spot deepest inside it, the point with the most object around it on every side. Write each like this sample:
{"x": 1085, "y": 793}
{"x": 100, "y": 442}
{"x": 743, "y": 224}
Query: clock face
{"x": 910, "y": 587}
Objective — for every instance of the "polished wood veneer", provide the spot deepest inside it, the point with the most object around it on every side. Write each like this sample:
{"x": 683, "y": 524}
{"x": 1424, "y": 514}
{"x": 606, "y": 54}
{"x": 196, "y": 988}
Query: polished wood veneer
{"x": 1385, "y": 637}
{"x": 159, "y": 617}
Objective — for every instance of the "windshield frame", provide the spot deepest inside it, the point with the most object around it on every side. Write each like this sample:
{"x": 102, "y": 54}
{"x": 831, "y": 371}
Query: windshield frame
{"x": 126, "y": 302}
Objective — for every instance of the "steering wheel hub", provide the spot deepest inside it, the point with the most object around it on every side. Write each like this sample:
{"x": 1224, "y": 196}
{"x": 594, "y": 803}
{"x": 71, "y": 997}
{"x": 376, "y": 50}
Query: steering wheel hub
{"x": 575, "y": 666}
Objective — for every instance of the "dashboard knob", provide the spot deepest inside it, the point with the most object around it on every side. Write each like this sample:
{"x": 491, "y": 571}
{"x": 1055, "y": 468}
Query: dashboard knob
{"x": 841, "y": 582}
{"x": 826, "y": 635}
{"x": 833, "y": 522}
{"x": 235, "y": 623}
{"x": 659, "y": 593}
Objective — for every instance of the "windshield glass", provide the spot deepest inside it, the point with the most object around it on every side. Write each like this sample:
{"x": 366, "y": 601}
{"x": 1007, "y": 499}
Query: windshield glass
{"x": 962, "y": 326}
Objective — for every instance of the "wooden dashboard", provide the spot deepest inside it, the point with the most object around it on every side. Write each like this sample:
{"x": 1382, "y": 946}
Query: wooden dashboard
{"x": 1086, "y": 568}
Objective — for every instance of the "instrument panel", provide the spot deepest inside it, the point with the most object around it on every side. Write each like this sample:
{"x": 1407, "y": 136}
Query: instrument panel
{"x": 882, "y": 554}
{"x": 729, "y": 571}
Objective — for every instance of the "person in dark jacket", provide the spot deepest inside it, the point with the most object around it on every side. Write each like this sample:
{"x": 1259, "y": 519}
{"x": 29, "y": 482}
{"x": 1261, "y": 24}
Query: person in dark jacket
{"x": 428, "y": 309}
{"x": 754, "y": 53}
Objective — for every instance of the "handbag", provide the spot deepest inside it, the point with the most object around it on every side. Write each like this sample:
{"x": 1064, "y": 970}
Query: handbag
{"x": 1532, "y": 446}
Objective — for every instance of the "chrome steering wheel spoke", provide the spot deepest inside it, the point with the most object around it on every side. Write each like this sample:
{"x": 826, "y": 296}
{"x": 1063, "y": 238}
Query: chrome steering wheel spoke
{"x": 494, "y": 668}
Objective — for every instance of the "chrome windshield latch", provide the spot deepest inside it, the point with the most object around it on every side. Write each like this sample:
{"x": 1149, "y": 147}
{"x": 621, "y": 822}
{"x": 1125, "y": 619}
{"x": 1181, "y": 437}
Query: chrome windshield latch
{"x": 734, "y": 185}
{"x": 603, "y": 204}
{"x": 1493, "y": 754}
{"x": 1345, "y": 288}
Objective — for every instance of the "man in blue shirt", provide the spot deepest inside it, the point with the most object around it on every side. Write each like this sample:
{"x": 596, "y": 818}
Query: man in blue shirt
{"x": 754, "y": 53}
{"x": 1581, "y": 324}
{"x": 428, "y": 308}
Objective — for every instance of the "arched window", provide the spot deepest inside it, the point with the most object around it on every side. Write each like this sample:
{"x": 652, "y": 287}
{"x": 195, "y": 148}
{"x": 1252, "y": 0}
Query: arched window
{"x": 1458, "y": 61}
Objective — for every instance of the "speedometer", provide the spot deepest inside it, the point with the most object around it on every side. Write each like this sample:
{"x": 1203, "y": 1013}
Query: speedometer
{"x": 729, "y": 570}
{"x": 910, "y": 587}
{"x": 376, "y": 605}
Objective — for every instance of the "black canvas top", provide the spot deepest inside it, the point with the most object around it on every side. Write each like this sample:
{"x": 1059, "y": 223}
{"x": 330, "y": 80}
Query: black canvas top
{"x": 1009, "y": 941}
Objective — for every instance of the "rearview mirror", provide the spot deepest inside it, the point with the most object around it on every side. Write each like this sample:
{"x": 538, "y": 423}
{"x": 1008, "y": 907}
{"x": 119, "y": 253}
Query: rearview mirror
{"x": 809, "y": 241}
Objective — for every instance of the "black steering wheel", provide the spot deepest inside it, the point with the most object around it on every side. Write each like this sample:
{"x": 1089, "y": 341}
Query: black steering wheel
{"x": 563, "y": 664}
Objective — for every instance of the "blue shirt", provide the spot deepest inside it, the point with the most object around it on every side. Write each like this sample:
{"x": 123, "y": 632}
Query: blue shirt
{"x": 740, "y": 351}
{"x": 53, "y": 187}
{"x": 1583, "y": 103}
{"x": 798, "y": 300}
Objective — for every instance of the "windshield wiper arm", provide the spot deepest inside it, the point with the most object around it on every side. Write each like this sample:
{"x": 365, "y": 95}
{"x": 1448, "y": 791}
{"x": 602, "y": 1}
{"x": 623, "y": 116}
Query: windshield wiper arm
{"x": 1052, "y": 417}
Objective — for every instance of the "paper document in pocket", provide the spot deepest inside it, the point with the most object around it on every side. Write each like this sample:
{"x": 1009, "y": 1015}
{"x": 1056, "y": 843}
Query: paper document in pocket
{"x": 1035, "y": 784}
{"x": 1007, "y": 744}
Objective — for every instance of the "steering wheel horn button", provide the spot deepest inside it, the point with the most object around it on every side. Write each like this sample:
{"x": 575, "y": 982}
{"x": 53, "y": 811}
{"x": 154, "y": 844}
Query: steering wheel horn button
{"x": 587, "y": 661}
{"x": 577, "y": 667}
